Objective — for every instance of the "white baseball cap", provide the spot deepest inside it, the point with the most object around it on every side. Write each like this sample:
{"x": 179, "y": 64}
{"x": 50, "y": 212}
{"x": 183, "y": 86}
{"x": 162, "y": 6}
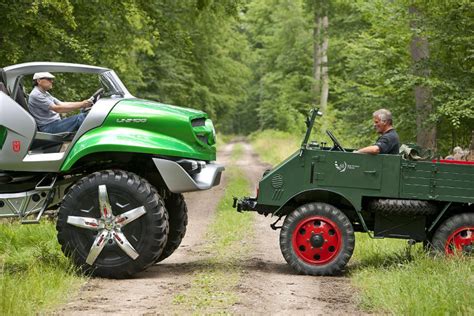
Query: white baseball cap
{"x": 41, "y": 75}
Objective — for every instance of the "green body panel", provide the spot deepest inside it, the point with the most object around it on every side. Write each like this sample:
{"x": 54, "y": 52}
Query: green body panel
{"x": 355, "y": 176}
{"x": 3, "y": 135}
{"x": 437, "y": 181}
{"x": 148, "y": 127}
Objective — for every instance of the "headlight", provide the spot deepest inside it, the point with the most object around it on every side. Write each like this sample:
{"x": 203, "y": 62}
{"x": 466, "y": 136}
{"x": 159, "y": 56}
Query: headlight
{"x": 212, "y": 136}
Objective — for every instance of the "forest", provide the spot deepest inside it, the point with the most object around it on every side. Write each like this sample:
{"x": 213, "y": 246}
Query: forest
{"x": 254, "y": 65}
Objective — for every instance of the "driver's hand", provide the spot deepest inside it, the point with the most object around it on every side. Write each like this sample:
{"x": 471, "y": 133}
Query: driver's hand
{"x": 87, "y": 103}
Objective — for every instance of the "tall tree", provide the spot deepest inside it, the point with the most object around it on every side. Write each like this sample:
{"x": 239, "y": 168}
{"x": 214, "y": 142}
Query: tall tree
{"x": 324, "y": 61}
{"x": 419, "y": 49}
{"x": 319, "y": 10}
{"x": 316, "y": 51}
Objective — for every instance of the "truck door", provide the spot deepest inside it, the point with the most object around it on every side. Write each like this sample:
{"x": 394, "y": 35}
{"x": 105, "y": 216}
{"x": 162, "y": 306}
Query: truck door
{"x": 350, "y": 170}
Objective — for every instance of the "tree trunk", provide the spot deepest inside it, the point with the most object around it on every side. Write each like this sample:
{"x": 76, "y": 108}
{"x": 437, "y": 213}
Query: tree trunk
{"x": 470, "y": 157}
{"x": 472, "y": 141}
{"x": 316, "y": 55}
{"x": 425, "y": 132}
{"x": 324, "y": 63}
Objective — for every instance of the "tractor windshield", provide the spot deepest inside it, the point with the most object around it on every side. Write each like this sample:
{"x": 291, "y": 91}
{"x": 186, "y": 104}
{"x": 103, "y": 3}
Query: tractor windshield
{"x": 111, "y": 83}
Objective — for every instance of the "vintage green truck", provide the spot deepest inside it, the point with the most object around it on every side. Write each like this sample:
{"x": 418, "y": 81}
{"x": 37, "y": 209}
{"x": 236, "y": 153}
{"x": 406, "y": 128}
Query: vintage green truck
{"x": 327, "y": 193}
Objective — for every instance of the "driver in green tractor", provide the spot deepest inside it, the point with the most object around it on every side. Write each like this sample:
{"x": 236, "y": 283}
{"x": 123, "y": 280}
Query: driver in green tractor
{"x": 388, "y": 142}
{"x": 45, "y": 108}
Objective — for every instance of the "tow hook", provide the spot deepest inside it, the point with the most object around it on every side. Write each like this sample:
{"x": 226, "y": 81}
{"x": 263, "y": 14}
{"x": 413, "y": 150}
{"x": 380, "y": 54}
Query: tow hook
{"x": 244, "y": 204}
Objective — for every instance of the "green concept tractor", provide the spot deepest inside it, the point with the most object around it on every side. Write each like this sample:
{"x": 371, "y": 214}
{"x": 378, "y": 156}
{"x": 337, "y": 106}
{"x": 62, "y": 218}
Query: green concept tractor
{"x": 326, "y": 193}
{"x": 117, "y": 181}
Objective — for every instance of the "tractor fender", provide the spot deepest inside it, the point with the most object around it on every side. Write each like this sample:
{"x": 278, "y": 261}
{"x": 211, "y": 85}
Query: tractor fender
{"x": 319, "y": 195}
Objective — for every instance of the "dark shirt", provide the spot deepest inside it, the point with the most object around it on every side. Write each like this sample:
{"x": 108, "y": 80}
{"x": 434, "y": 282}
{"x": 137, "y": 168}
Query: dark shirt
{"x": 389, "y": 143}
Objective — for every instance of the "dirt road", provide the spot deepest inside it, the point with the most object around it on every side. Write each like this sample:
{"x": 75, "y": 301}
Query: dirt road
{"x": 268, "y": 285}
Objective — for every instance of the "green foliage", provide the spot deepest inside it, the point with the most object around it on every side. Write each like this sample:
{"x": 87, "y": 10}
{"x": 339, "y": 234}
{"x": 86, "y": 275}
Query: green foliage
{"x": 198, "y": 61}
{"x": 280, "y": 36}
{"x": 33, "y": 269}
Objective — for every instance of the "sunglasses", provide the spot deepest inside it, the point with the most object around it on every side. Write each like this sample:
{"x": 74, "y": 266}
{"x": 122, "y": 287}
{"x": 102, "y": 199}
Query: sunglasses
{"x": 49, "y": 79}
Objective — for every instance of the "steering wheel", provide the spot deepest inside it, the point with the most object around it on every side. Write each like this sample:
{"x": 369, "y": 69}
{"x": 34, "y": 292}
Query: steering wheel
{"x": 96, "y": 96}
{"x": 337, "y": 145}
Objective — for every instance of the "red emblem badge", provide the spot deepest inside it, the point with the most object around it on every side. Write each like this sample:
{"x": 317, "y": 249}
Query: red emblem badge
{"x": 16, "y": 145}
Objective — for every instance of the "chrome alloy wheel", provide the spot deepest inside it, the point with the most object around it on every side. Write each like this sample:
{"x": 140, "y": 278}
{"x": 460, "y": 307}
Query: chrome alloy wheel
{"x": 108, "y": 227}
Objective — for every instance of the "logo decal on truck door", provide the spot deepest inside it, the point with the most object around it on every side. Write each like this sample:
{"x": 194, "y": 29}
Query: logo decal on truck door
{"x": 343, "y": 166}
{"x": 340, "y": 166}
{"x": 16, "y": 146}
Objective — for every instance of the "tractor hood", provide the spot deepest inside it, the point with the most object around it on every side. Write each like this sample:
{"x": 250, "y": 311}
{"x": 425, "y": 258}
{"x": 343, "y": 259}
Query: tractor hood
{"x": 185, "y": 126}
{"x": 147, "y": 127}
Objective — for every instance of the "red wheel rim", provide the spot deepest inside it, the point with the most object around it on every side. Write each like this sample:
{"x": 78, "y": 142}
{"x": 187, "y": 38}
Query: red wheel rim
{"x": 461, "y": 241}
{"x": 317, "y": 240}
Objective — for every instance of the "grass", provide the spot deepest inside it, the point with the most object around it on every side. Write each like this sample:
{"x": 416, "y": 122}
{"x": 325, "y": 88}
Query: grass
{"x": 213, "y": 287}
{"x": 35, "y": 276}
{"x": 275, "y": 146}
{"x": 237, "y": 152}
{"x": 397, "y": 281}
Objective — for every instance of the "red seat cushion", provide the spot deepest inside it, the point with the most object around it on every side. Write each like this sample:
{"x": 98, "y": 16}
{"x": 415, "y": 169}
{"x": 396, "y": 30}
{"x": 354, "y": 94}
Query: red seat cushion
{"x": 456, "y": 162}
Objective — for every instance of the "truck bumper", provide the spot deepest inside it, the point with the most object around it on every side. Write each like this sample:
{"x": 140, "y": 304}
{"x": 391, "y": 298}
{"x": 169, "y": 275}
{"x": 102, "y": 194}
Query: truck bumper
{"x": 178, "y": 180}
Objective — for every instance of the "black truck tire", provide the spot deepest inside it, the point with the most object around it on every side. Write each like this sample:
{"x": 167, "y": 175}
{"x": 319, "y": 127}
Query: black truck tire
{"x": 112, "y": 224}
{"x": 178, "y": 220}
{"x": 317, "y": 239}
{"x": 403, "y": 207}
{"x": 455, "y": 235}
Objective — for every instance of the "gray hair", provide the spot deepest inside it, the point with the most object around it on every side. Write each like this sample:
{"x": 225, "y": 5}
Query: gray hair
{"x": 384, "y": 115}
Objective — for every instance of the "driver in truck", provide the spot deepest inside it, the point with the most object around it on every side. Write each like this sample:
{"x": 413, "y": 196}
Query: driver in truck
{"x": 45, "y": 108}
{"x": 388, "y": 142}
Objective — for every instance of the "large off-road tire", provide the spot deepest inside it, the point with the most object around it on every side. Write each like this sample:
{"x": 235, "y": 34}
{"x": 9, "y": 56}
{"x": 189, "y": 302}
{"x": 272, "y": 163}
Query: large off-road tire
{"x": 178, "y": 220}
{"x": 403, "y": 207}
{"x": 455, "y": 235}
{"x": 112, "y": 224}
{"x": 317, "y": 239}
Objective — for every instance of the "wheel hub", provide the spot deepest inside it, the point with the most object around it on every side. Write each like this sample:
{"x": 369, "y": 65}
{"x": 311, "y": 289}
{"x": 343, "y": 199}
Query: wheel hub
{"x": 461, "y": 241}
{"x": 108, "y": 227}
{"x": 317, "y": 240}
